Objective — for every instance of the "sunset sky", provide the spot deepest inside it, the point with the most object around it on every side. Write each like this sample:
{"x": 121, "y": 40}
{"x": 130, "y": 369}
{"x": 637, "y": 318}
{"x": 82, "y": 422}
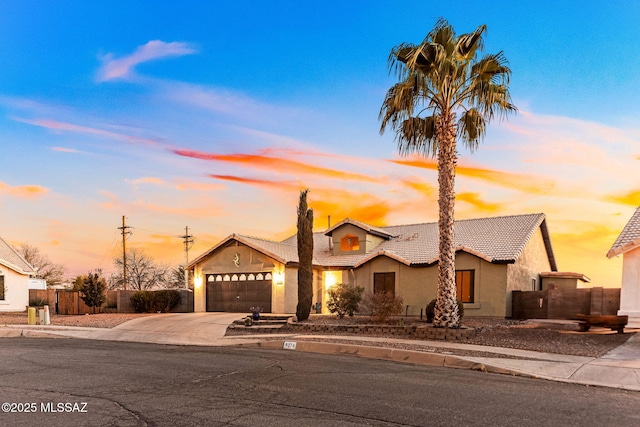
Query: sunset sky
{"x": 214, "y": 115}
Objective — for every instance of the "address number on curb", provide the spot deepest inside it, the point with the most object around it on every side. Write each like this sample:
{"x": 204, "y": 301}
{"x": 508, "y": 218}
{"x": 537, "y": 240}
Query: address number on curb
{"x": 289, "y": 345}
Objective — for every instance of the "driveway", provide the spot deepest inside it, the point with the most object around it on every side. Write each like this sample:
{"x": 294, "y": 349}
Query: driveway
{"x": 176, "y": 328}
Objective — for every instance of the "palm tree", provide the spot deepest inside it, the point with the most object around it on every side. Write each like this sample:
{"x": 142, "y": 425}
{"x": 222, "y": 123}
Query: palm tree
{"x": 445, "y": 93}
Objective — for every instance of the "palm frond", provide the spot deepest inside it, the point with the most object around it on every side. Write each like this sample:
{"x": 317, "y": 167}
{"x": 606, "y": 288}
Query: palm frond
{"x": 417, "y": 135}
{"x": 468, "y": 44}
{"x": 471, "y": 128}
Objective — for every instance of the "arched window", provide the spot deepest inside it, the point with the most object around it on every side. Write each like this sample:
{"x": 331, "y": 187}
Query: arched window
{"x": 226, "y": 278}
{"x": 350, "y": 243}
{"x": 267, "y": 276}
{"x": 259, "y": 276}
{"x": 251, "y": 277}
{"x": 243, "y": 277}
{"x": 211, "y": 278}
{"x": 234, "y": 278}
{"x": 219, "y": 278}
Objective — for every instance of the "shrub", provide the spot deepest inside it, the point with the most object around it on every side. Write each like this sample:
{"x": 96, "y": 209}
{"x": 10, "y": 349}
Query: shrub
{"x": 344, "y": 299}
{"x": 166, "y": 300}
{"x": 152, "y": 301}
{"x": 93, "y": 289}
{"x": 382, "y": 306}
{"x": 142, "y": 302}
{"x": 431, "y": 308}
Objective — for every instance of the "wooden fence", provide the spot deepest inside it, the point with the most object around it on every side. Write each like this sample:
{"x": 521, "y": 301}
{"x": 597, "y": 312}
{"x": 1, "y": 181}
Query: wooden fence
{"x": 69, "y": 302}
{"x": 565, "y": 303}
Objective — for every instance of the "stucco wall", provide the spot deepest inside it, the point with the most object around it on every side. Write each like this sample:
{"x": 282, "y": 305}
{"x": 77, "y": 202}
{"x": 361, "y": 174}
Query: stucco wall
{"x": 250, "y": 261}
{"x": 630, "y": 293}
{"x": 16, "y": 290}
{"x": 340, "y": 232}
{"x": 418, "y": 285}
{"x": 489, "y": 287}
{"x": 532, "y": 261}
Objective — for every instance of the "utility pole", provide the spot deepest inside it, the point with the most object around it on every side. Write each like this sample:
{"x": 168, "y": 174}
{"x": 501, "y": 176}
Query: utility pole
{"x": 188, "y": 239}
{"x": 124, "y": 229}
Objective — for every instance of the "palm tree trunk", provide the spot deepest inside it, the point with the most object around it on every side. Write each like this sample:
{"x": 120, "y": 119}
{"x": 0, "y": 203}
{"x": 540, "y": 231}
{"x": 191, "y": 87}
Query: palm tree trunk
{"x": 446, "y": 310}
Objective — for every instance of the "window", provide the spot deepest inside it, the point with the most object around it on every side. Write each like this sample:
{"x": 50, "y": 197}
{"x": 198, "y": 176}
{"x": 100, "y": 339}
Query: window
{"x": 465, "y": 285}
{"x": 349, "y": 243}
{"x": 1, "y": 288}
{"x": 384, "y": 283}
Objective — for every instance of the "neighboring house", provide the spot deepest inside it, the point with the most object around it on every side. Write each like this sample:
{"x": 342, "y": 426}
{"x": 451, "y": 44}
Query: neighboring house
{"x": 14, "y": 279}
{"x": 628, "y": 245}
{"x": 494, "y": 256}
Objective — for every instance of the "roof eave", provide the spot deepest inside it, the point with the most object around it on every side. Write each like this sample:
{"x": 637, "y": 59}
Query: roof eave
{"x": 623, "y": 248}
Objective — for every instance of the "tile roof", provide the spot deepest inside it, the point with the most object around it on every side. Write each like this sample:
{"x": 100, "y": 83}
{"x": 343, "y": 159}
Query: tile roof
{"x": 496, "y": 239}
{"x": 629, "y": 238}
{"x": 368, "y": 228}
{"x": 10, "y": 258}
{"x": 279, "y": 251}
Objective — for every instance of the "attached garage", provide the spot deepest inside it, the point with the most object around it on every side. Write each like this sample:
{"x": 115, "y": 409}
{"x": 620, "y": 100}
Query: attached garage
{"x": 243, "y": 272}
{"x": 234, "y": 292}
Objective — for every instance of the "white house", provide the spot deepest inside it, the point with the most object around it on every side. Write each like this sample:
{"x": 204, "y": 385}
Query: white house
{"x": 14, "y": 279}
{"x": 628, "y": 245}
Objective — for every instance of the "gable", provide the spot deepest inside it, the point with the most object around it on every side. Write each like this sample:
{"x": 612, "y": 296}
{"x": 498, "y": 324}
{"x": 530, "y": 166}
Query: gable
{"x": 629, "y": 238}
{"x": 13, "y": 260}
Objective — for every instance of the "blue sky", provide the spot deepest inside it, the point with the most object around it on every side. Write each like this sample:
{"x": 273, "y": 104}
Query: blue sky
{"x": 215, "y": 114}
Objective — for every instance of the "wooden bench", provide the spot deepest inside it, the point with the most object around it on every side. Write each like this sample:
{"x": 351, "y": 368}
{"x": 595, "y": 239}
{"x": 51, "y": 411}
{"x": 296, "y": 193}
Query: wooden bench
{"x": 615, "y": 323}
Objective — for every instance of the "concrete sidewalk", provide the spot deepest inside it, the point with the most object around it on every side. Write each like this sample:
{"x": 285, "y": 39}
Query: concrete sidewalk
{"x": 620, "y": 368}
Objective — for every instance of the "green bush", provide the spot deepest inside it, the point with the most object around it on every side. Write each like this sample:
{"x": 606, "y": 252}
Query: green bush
{"x": 166, "y": 300}
{"x": 152, "y": 301}
{"x": 142, "y": 302}
{"x": 382, "y": 306}
{"x": 431, "y": 308}
{"x": 344, "y": 299}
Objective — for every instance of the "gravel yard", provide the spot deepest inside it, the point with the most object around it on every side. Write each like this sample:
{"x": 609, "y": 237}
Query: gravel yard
{"x": 561, "y": 338}
{"x": 104, "y": 320}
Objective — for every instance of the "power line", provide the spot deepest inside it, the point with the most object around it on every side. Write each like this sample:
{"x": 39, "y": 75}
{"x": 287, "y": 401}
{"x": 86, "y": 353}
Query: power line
{"x": 124, "y": 229}
{"x": 188, "y": 239}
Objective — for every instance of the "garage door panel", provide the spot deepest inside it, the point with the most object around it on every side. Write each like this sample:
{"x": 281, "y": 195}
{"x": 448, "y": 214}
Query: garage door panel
{"x": 238, "y": 296}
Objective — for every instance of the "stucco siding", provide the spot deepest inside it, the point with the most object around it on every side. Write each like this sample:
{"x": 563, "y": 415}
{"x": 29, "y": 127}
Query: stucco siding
{"x": 530, "y": 263}
{"x": 339, "y": 233}
{"x": 630, "y": 297}
{"x": 16, "y": 290}
{"x": 490, "y": 281}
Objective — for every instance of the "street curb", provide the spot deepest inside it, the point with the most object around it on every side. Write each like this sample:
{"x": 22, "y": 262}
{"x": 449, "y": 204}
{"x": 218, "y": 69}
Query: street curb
{"x": 16, "y": 332}
{"x": 390, "y": 354}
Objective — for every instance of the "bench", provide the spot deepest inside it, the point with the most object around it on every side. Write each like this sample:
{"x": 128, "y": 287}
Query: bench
{"x": 615, "y": 323}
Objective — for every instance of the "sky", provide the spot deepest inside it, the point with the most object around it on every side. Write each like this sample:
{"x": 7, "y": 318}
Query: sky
{"x": 214, "y": 115}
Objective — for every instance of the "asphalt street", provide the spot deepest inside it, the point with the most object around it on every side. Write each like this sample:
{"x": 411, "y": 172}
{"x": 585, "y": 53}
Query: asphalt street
{"x": 62, "y": 382}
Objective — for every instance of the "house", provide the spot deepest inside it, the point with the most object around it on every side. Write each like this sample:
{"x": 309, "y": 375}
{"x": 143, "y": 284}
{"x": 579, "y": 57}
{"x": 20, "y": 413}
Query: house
{"x": 14, "y": 279}
{"x": 494, "y": 256}
{"x": 628, "y": 245}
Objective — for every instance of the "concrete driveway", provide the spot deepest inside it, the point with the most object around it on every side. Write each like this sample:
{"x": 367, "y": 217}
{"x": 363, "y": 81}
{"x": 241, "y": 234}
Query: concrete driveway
{"x": 175, "y": 328}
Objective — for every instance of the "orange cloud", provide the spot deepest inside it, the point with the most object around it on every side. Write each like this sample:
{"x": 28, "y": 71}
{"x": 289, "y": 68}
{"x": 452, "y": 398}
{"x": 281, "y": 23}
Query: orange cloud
{"x": 278, "y": 164}
{"x": 24, "y": 191}
{"x": 474, "y": 200}
{"x": 421, "y": 187}
{"x": 147, "y": 180}
{"x": 279, "y": 185}
{"x": 526, "y": 183}
{"x": 342, "y": 204}
{"x": 632, "y": 198}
